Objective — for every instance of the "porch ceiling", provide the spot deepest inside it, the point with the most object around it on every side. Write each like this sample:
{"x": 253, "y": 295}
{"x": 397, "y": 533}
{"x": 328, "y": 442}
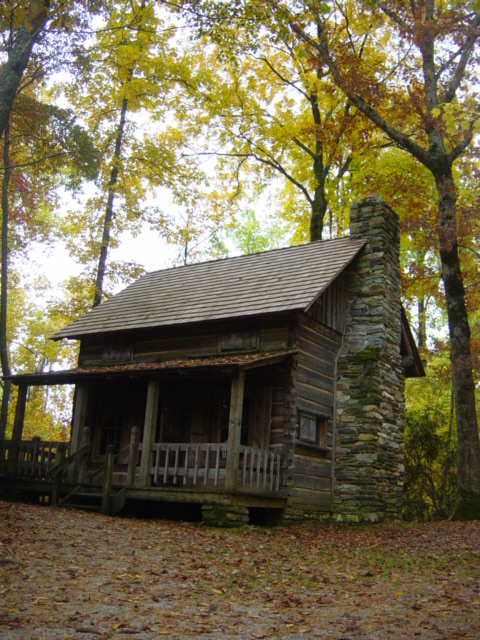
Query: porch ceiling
{"x": 224, "y": 364}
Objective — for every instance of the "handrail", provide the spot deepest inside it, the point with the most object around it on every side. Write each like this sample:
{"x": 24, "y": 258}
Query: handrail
{"x": 35, "y": 457}
{"x": 260, "y": 469}
{"x": 66, "y": 462}
{"x": 106, "y": 468}
{"x": 102, "y": 467}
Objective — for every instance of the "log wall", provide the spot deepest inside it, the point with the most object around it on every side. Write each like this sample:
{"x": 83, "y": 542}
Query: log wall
{"x": 264, "y": 335}
{"x": 312, "y": 478}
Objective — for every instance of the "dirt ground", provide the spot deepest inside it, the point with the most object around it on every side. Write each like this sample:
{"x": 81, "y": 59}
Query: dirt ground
{"x": 72, "y": 575}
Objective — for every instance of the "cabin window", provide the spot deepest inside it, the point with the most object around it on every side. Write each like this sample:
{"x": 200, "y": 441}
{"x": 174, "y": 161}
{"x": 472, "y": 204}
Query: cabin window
{"x": 312, "y": 429}
{"x": 117, "y": 352}
{"x": 234, "y": 342}
{"x": 116, "y": 412}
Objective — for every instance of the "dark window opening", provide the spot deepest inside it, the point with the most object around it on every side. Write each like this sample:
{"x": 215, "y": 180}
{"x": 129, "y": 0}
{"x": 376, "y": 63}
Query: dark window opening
{"x": 176, "y": 418}
{"x": 110, "y": 436}
{"x": 234, "y": 342}
{"x": 312, "y": 429}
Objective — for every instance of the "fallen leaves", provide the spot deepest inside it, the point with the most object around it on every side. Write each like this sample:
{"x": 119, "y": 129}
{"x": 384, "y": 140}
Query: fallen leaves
{"x": 69, "y": 575}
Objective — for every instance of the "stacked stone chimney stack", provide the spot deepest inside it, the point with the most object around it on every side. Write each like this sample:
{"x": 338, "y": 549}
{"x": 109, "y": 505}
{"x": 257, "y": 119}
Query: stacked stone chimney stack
{"x": 370, "y": 389}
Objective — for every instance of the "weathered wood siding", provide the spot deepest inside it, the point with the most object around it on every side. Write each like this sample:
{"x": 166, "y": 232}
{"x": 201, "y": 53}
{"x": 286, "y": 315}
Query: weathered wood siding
{"x": 331, "y": 309}
{"x": 318, "y": 347}
{"x": 171, "y": 343}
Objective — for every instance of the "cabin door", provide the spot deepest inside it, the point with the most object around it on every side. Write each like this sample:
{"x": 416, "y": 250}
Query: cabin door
{"x": 260, "y": 418}
{"x": 117, "y": 411}
{"x": 256, "y": 418}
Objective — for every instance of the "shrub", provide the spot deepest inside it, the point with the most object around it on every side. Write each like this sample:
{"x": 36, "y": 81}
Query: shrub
{"x": 430, "y": 467}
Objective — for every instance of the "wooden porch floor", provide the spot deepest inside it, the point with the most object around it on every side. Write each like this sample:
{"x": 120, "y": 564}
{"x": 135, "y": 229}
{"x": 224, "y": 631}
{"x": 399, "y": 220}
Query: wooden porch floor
{"x": 178, "y": 472}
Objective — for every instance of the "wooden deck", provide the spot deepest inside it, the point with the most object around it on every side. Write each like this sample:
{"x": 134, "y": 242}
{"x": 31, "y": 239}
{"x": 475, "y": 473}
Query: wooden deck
{"x": 178, "y": 472}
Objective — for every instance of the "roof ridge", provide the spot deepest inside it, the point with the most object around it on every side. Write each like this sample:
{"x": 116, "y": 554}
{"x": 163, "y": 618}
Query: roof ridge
{"x": 248, "y": 255}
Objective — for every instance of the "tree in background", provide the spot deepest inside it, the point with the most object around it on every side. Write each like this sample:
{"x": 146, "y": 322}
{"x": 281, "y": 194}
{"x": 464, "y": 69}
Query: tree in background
{"x": 39, "y": 141}
{"x": 274, "y": 117}
{"x": 249, "y": 234}
{"x": 430, "y": 443}
{"x": 420, "y": 94}
{"x": 132, "y": 85}
{"x": 48, "y": 408}
{"x": 22, "y": 26}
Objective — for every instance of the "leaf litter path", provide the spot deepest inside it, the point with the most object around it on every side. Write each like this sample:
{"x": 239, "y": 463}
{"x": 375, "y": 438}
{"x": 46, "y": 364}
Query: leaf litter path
{"x": 73, "y": 575}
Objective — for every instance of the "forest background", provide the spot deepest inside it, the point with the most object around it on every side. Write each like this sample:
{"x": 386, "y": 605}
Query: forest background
{"x": 216, "y": 127}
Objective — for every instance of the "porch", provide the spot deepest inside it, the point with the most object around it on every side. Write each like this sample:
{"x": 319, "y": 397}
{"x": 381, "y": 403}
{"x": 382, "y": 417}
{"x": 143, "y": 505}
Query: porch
{"x": 180, "y": 472}
{"x": 184, "y": 434}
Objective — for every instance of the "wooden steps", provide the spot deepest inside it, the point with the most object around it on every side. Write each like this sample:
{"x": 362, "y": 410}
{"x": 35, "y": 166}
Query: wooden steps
{"x": 95, "y": 501}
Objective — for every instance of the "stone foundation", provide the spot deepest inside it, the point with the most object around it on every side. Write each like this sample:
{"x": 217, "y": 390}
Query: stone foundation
{"x": 224, "y": 516}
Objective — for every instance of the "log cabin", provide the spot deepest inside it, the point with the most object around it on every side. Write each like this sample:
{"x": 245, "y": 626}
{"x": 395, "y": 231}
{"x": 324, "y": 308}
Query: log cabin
{"x": 270, "y": 383}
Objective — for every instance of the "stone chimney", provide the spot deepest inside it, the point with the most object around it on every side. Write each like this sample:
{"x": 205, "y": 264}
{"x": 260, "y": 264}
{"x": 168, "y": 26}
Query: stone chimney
{"x": 370, "y": 388}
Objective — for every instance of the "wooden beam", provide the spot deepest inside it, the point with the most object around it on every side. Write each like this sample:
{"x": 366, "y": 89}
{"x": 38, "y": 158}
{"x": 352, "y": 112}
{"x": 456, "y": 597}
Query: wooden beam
{"x": 132, "y": 457}
{"x": 234, "y": 429}
{"x": 107, "y": 480}
{"x": 149, "y": 427}
{"x": 19, "y": 414}
{"x": 79, "y": 417}
{"x": 17, "y": 429}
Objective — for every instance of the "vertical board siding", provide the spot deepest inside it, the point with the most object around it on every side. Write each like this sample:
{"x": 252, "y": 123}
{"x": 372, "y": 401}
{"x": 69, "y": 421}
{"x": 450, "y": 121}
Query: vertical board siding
{"x": 331, "y": 308}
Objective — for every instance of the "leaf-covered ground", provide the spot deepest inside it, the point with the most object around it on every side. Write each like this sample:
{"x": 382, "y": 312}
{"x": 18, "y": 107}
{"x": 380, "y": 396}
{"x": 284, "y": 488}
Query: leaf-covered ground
{"x": 75, "y": 575}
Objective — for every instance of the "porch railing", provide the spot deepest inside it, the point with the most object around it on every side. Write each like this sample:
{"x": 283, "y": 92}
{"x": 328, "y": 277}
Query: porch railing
{"x": 35, "y": 457}
{"x": 260, "y": 470}
{"x": 188, "y": 464}
{"x": 204, "y": 464}
{"x": 172, "y": 464}
{"x": 4, "y": 453}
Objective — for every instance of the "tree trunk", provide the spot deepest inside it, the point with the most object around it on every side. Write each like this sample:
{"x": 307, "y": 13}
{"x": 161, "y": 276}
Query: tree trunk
{"x": 4, "y": 284}
{"x": 319, "y": 207}
{"x": 439, "y": 163}
{"x": 319, "y": 204}
{"x": 18, "y": 58}
{"x": 107, "y": 222}
{"x": 422, "y": 323}
{"x": 19, "y": 52}
{"x": 468, "y": 499}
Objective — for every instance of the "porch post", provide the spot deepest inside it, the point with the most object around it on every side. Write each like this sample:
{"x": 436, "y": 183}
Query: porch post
{"x": 234, "y": 428}
{"x": 150, "y": 424}
{"x": 79, "y": 417}
{"x": 17, "y": 429}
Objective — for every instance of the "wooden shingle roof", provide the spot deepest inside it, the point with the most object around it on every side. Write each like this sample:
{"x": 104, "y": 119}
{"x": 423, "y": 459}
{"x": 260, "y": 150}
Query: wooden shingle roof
{"x": 274, "y": 281}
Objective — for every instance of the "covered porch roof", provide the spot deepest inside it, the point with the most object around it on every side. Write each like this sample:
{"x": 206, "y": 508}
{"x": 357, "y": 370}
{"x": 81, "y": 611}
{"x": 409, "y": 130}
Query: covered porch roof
{"x": 225, "y": 364}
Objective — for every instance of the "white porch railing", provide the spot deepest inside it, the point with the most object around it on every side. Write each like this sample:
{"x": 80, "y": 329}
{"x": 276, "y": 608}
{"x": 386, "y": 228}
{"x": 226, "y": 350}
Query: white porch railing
{"x": 204, "y": 464}
{"x": 185, "y": 463}
{"x": 260, "y": 469}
